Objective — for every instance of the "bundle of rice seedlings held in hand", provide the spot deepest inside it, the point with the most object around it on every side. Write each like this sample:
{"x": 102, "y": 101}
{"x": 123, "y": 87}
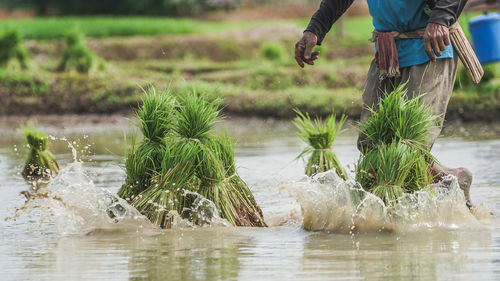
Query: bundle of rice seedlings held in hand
{"x": 41, "y": 163}
{"x": 319, "y": 135}
{"x": 155, "y": 120}
{"x": 395, "y": 156}
{"x": 217, "y": 176}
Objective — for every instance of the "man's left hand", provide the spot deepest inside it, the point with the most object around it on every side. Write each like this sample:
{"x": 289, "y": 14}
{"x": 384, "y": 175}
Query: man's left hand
{"x": 436, "y": 38}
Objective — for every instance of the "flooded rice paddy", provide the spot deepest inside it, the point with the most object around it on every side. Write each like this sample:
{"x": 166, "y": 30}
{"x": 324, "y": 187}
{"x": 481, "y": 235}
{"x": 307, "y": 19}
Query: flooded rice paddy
{"x": 432, "y": 240}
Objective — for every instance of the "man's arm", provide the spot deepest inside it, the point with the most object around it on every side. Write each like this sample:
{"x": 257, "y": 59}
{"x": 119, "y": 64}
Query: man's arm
{"x": 328, "y": 13}
{"x": 437, "y": 36}
{"x": 446, "y": 12}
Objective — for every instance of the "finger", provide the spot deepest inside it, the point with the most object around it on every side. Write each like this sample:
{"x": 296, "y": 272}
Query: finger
{"x": 442, "y": 45}
{"x": 435, "y": 47}
{"x": 299, "y": 51}
{"x": 299, "y": 61}
{"x": 316, "y": 53}
{"x": 308, "y": 51}
{"x": 428, "y": 50}
{"x": 309, "y": 62}
{"x": 447, "y": 39}
{"x": 314, "y": 57}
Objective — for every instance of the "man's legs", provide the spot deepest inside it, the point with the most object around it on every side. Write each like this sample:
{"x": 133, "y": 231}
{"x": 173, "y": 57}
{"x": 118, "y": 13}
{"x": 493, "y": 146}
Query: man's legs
{"x": 434, "y": 80}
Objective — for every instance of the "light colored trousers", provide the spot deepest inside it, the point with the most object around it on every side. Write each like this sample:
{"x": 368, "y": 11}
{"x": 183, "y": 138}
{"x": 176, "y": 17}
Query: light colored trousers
{"x": 434, "y": 79}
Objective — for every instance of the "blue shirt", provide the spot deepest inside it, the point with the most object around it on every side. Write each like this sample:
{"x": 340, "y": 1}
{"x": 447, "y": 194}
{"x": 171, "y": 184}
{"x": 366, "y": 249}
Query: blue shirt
{"x": 404, "y": 16}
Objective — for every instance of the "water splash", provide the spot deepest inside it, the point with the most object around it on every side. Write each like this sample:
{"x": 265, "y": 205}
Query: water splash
{"x": 80, "y": 207}
{"x": 329, "y": 203}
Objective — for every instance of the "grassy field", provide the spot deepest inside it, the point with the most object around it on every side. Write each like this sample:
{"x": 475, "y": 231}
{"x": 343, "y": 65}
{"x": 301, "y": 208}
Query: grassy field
{"x": 105, "y": 26}
{"x": 358, "y": 28}
{"x": 250, "y": 64}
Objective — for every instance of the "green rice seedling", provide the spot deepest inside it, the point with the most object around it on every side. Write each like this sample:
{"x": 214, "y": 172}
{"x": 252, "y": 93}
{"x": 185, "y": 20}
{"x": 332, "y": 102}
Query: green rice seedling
{"x": 196, "y": 117}
{"x": 396, "y": 159}
{"x": 11, "y": 49}
{"x": 391, "y": 170}
{"x": 398, "y": 119}
{"x": 165, "y": 197}
{"x": 194, "y": 124}
{"x": 155, "y": 121}
{"x": 195, "y": 121}
{"x": 216, "y": 187}
{"x": 319, "y": 135}
{"x": 41, "y": 163}
{"x": 77, "y": 56}
{"x": 249, "y": 209}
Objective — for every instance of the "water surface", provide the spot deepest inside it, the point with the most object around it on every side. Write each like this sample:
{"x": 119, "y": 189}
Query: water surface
{"x": 31, "y": 248}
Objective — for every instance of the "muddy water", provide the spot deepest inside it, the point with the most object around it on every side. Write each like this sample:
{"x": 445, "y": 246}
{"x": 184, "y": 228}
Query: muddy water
{"x": 448, "y": 249}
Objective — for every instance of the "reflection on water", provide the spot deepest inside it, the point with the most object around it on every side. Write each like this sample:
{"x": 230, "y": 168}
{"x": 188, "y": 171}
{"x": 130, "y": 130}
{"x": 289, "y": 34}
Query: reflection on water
{"x": 31, "y": 249}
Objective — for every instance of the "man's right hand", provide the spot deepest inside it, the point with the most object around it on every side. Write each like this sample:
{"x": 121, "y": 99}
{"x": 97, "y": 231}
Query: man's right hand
{"x": 304, "y": 47}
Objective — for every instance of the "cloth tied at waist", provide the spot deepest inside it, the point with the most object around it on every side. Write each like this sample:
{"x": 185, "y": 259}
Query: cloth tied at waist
{"x": 386, "y": 56}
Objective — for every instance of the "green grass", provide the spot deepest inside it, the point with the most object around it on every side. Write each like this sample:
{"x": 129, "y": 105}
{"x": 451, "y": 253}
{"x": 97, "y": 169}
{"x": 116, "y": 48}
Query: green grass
{"x": 358, "y": 29}
{"x": 107, "y": 26}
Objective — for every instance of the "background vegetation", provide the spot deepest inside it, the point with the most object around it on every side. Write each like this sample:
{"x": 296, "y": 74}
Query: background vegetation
{"x": 247, "y": 61}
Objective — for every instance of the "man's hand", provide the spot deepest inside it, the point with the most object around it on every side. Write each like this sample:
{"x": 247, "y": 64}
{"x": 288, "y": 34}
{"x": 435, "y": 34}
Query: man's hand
{"x": 304, "y": 47}
{"x": 436, "y": 38}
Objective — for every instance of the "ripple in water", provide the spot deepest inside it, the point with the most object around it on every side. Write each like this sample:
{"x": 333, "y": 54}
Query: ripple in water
{"x": 329, "y": 203}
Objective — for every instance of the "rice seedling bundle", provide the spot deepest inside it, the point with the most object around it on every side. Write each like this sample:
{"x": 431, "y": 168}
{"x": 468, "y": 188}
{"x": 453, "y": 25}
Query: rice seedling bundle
{"x": 11, "y": 49}
{"x": 250, "y": 214}
{"x": 77, "y": 56}
{"x": 195, "y": 121}
{"x": 41, "y": 163}
{"x": 155, "y": 120}
{"x": 395, "y": 157}
{"x": 180, "y": 153}
{"x": 399, "y": 119}
{"x": 165, "y": 197}
{"x": 319, "y": 135}
{"x": 391, "y": 170}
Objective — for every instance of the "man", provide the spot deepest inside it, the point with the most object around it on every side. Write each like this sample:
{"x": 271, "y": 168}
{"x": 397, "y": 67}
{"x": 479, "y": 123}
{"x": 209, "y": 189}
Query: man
{"x": 413, "y": 46}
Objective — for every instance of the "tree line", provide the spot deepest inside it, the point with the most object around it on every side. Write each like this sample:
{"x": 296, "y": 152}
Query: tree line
{"x": 120, "y": 7}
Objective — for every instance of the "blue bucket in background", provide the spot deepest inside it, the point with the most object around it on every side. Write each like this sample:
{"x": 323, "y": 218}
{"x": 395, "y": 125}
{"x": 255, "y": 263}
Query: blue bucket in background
{"x": 485, "y": 32}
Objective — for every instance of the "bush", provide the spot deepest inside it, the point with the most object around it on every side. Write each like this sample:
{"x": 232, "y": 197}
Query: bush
{"x": 11, "y": 49}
